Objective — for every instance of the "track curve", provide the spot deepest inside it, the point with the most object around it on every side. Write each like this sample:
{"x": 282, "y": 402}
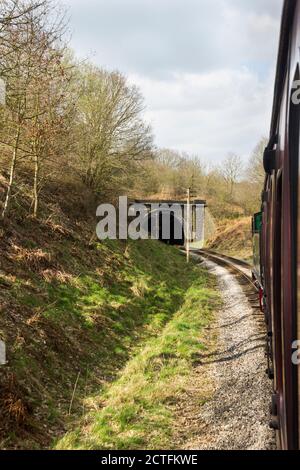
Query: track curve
{"x": 242, "y": 268}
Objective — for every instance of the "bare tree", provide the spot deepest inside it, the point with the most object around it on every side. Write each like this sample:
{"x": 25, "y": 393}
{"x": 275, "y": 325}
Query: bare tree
{"x": 112, "y": 137}
{"x": 255, "y": 171}
{"x": 168, "y": 158}
{"x": 31, "y": 66}
{"x": 12, "y": 11}
{"x": 53, "y": 105}
{"x": 231, "y": 170}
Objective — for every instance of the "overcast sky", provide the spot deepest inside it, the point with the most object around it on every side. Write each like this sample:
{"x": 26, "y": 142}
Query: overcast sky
{"x": 205, "y": 67}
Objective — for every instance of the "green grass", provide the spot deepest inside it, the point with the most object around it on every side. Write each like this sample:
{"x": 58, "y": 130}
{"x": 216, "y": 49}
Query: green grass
{"x": 126, "y": 317}
{"x": 134, "y": 411}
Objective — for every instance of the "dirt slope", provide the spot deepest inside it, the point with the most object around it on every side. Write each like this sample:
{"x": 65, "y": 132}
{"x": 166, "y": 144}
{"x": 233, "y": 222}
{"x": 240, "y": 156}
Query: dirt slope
{"x": 234, "y": 238}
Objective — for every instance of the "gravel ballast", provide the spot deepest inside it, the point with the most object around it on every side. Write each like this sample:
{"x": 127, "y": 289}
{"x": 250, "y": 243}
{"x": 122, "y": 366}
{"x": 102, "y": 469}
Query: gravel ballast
{"x": 237, "y": 416}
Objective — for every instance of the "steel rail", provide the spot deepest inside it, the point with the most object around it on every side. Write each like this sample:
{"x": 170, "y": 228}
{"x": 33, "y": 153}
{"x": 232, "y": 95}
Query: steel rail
{"x": 232, "y": 263}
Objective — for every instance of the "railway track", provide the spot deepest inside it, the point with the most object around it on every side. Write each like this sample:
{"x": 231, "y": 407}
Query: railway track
{"x": 240, "y": 269}
{"x": 239, "y": 360}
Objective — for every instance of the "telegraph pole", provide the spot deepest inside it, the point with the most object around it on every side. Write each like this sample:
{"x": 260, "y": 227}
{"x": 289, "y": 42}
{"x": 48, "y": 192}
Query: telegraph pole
{"x": 188, "y": 223}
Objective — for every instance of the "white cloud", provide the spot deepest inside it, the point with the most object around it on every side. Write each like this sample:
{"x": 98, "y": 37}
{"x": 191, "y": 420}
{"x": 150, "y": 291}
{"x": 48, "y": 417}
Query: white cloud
{"x": 205, "y": 67}
{"x": 209, "y": 114}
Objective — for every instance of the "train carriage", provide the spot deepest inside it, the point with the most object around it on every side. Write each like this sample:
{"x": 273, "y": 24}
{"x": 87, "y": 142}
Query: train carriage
{"x": 280, "y": 232}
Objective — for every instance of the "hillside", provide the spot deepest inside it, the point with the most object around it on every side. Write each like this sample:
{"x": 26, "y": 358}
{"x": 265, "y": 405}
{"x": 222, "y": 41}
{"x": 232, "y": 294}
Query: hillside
{"x": 74, "y": 311}
{"x": 233, "y": 238}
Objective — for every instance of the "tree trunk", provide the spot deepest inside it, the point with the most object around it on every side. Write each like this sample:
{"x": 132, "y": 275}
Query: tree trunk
{"x": 35, "y": 186}
{"x": 11, "y": 176}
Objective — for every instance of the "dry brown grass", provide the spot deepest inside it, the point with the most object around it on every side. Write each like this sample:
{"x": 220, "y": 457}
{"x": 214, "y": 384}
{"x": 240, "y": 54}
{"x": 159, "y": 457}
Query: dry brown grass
{"x": 233, "y": 238}
{"x": 35, "y": 260}
{"x": 13, "y": 408}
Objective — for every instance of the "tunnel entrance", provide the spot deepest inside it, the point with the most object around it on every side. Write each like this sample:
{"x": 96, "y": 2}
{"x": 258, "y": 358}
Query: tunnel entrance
{"x": 175, "y": 235}
{"x": 167, "y": 220}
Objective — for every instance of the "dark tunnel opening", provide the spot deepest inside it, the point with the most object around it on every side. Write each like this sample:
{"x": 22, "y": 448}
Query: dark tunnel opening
{"x": 175, "y": 235}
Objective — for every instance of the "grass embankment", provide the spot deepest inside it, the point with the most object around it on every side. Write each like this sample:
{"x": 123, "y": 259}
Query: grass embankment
{"x": 122, "y": 320}
{"x": 135, "y": 412}
{"x": 233, "y": 238}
